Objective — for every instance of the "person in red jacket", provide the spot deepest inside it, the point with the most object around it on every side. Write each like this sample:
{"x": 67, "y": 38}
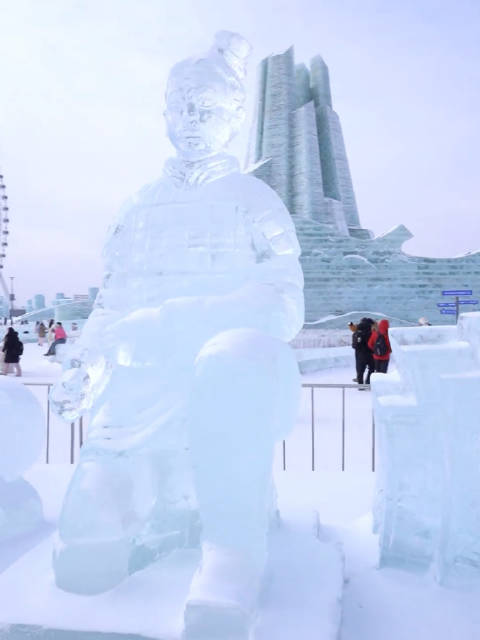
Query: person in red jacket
{"x": 60, "y": 338}
{"x": 380, "y": 345}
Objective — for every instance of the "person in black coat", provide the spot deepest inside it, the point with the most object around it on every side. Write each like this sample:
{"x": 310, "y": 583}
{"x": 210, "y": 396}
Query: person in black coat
{"x": 12, "y": 350}
{"x": 363, "y": 355}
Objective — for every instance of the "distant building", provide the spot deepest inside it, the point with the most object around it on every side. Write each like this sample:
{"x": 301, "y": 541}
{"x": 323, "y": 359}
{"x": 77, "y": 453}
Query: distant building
{"x": 77, "y": 307}
{"x": 297, "y": 148}
{"x": 39, "y": 301}
{"x": 3, "y": 307}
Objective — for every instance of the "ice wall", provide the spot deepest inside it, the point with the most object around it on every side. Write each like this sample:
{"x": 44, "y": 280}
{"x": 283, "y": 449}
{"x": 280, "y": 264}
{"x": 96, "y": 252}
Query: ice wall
{"x": 427, "y": 511}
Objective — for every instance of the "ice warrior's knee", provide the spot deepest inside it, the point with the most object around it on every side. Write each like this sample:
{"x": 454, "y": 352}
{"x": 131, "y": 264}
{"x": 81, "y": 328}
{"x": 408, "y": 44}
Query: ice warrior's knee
{"x": 247, "y": 367}
{"x": 243, "y": 348}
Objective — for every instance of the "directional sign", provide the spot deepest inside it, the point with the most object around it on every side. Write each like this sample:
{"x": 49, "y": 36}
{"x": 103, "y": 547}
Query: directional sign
{"x": 452, "y": 312}
{"x": 446, "y": 304}
{"x": 457, "y": 292}
{"x": 467, "y": 302}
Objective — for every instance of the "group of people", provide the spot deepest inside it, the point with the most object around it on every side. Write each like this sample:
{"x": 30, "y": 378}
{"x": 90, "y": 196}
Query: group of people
{"x": 372, "y": 348}
{"x": 12, "y": 346}
{"x": 55, "y": 334}
{"x": 43, "y": 332}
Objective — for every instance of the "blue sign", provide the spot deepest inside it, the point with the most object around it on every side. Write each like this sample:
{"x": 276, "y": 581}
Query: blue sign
{"x": 446, "y": 304}
{"x": 457, "y": 292}
{"x": 468, "y": 302}
{"x": 449, "y": 311}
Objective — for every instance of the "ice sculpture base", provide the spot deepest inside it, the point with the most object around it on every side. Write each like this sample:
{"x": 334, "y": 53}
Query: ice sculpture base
{"x": 302, "y": 596}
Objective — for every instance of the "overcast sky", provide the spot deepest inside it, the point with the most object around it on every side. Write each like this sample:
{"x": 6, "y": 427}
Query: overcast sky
{"x": 81, "y": 97}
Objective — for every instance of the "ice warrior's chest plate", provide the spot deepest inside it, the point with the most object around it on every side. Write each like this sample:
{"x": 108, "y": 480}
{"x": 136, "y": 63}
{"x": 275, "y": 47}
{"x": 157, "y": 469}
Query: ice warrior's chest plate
{"x": 174, "y": 247}
{"x": 186, "y": 238}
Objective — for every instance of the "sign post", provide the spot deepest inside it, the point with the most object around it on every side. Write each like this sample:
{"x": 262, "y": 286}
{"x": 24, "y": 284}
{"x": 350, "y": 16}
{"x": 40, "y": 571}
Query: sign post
{"x": 447, "y": 307}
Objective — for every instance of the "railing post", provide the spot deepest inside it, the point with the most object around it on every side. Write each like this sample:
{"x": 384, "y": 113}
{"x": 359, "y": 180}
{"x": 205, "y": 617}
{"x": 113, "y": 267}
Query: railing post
{"x": 47, "y": 455}
{"x": 80, "y": 432}
{"x": 72, "y": 442}
{"x": 313, "y": 428}
{"x": 373, "y": 441}
{"x": 343, "y": 428}
{"x": 284, "y": 456}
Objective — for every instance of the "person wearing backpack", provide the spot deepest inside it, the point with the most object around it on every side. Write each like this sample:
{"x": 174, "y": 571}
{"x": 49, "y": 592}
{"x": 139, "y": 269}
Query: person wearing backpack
{"x": 12, "y": 349}
{"x": 363, "y": 355}
{"x": 380, "y": 345}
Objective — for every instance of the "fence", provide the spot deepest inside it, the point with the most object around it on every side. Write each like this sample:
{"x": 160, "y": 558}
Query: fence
{"x": 313, "y": 426}
{"x": 79, "y": 422}
{"x": 311, "y": 420}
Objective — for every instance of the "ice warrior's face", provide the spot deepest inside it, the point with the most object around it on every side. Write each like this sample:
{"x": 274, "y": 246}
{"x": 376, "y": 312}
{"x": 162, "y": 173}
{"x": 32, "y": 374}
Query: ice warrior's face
{"x": 199, "y": 117}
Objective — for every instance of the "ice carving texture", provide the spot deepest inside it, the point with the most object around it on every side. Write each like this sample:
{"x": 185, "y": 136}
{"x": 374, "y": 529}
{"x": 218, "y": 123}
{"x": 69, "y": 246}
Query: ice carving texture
{"x": 22, "y": 439}
{"x": 427, "y": 512}
{"x": 297, "y": 148}
{"x": 185, "y": 367}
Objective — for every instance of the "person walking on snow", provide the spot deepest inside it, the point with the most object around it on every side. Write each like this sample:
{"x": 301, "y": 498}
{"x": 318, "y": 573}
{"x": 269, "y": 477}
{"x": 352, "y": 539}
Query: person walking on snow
{"x": 379, "y": 343}
{"x": 51, "y": 331}
{"x": 12, "y": 349}
{"x": 41, "y": 331}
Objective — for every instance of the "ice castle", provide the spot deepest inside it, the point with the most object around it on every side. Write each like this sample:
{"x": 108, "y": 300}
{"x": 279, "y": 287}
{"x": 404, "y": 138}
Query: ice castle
{"x": 297, "y": 148}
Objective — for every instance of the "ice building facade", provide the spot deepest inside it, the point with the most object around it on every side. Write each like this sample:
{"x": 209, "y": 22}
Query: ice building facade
{"x": 297, "y": 148}
{"x": 427, "y": 509}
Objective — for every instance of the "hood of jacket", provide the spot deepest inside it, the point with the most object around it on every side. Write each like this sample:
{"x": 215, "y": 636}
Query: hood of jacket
{"x": 364, "y": 325}
{"x": 383, "y": 326}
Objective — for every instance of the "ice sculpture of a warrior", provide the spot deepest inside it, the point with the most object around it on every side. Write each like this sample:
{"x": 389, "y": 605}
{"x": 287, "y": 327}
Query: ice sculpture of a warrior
{"x": 184, "y": 365}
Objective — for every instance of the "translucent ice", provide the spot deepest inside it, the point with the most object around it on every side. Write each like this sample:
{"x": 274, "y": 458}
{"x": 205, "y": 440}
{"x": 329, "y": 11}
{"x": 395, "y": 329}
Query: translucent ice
{"x": 23, "y": 428}
{"x": 22, "y": 437}
{"x": 428, "y": 437}
{"x": 184, "y": 365}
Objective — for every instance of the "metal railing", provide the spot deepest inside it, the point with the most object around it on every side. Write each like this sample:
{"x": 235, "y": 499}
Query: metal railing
{"x": 48, "y": 386}
{"x": 308, "y": 385}
{"x": 314, "y": 385}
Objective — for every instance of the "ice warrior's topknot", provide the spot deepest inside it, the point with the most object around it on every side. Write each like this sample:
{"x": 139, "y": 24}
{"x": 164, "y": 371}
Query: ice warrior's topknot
{"x": 234, "y": 50}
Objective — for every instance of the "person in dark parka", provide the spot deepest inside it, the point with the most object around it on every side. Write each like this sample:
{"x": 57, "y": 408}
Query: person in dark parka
{"x": 12, "y": 350}
{"x": 363, "y": 355}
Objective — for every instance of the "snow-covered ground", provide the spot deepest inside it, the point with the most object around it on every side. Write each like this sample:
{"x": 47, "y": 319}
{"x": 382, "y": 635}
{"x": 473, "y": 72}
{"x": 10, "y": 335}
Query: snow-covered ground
{"x": 377, "y": 604}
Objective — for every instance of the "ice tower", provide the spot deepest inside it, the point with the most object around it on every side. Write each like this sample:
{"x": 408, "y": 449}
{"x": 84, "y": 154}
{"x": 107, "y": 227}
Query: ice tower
{"x": 297, "y": 148}
{"x": 297, "y": 144}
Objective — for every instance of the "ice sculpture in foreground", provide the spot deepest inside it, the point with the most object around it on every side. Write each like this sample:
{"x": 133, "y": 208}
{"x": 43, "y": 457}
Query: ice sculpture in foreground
{"x": 22, "y": 436}
{"x": 185, "y": 367}
{"x": 428, "y": 509}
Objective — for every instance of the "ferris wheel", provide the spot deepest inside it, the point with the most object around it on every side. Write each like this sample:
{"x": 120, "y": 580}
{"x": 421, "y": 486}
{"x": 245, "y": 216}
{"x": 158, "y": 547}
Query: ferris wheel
{"x": 4, "y": 220}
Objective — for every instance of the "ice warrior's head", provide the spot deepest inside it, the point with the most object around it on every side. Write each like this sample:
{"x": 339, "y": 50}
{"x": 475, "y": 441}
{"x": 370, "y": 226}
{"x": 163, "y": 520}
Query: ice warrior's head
{"x": 205, "y": 97}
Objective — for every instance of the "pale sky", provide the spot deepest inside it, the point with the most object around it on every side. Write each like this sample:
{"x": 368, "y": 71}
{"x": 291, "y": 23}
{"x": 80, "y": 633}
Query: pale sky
{"x": 81, "y": 98}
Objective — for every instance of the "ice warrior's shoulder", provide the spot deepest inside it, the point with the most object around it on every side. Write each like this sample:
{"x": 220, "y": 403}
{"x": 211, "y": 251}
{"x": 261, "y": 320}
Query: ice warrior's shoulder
{"x": 150, "y": 194}
{"x": 256, "y": 194}
{"x": 249, "y": 186}
{"x": 158, "y": 191}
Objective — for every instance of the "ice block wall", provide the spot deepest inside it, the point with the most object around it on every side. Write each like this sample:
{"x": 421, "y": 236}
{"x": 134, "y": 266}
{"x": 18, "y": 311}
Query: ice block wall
{"x": 427, "y": 509}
